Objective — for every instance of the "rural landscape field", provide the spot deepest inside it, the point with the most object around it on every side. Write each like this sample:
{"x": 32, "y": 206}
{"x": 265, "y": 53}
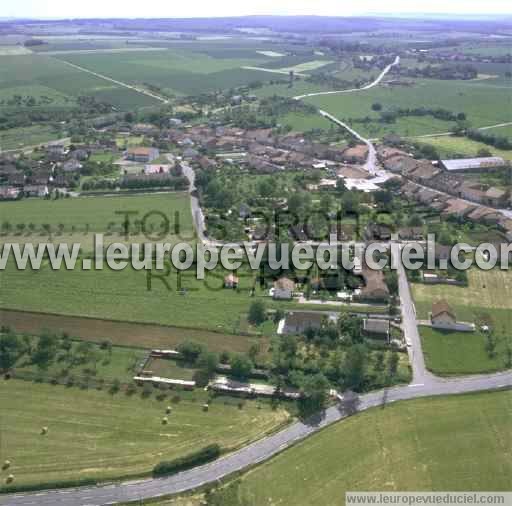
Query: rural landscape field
{"x": 192, "y": 208}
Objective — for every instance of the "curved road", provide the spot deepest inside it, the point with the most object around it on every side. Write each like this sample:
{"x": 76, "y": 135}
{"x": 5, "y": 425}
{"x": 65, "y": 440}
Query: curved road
{"x": 367, "y": 87}
{"x": 254, "y": 453}
{"x": 423, "y": 384}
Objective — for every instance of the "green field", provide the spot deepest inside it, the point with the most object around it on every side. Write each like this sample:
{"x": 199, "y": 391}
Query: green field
{"x": 485, "y": 102}
{"x": 47, "y": 76}
{"x": 448, "y": 146}
{"x": 176, "y": 71}
{"x": 435, "y": 444}
{"x": 93, "y": 434}
{"x": 77, "y": 219}
{"x": 488, "y": 299}
{"x": 461, "y": 352}
{"x": 15, "y": 138}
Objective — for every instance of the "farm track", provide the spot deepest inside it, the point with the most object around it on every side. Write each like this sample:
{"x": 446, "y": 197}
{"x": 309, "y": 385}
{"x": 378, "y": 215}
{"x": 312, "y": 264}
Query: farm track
{"x": 115, "y": 81}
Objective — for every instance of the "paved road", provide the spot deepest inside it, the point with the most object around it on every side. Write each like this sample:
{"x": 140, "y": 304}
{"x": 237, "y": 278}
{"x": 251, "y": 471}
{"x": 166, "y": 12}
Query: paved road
{"x": 197, "y": 212}
{"x": 254, "y": 453}
{"x": 352, "y": 90}
{"x": 371, "y": 160}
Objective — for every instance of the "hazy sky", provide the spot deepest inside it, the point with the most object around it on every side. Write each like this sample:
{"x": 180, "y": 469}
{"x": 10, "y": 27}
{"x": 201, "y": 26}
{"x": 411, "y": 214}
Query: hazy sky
{"x": 204, "y": 8}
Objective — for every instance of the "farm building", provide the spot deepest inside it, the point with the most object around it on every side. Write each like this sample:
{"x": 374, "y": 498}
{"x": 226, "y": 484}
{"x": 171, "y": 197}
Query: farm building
{"x": 473, "y": 164}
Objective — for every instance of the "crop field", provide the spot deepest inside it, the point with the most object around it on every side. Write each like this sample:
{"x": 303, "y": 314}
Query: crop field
{"x": 137, "y": 335}
{"x": 46, "y": 76}
{"x": 104, "y": 436}
{"x": 174, "y": 71}
{"x": 485, "y": 102}
{"x": 77, "y": 219}
{"x": 15, "y": 138}
{"x": 406, "y": 446}
{"x": 448, "y": 146}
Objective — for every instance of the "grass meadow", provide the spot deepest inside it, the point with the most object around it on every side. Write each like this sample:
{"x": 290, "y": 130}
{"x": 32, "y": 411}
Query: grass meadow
{"x": 425, "y": 444}
{"x": 448, "y": 146}
{"x": 78, "y": 219}
{"x": 488, "y": 298}
{"x": 485, "y": 102}
{"x": 103, "y": 436}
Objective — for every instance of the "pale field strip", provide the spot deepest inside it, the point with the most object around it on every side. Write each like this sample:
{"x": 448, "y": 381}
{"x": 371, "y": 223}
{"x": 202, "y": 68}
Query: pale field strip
{"x": 491, "y": 289}
{"x": 271, "y": 54}
{"x": 14, "y": 50}
{"x": 299, "y": 69}
{"x": 108, "y": 50}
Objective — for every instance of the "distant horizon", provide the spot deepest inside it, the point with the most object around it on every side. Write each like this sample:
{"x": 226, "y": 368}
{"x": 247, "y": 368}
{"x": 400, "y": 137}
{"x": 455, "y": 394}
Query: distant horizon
{"x": 397, "y": 15}
{"x": 160, "y": 9}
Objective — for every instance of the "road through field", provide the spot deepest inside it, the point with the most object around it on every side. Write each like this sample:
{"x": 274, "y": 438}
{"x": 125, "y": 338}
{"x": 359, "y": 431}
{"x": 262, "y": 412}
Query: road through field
{"x": 352, "y": 90}
{"x": 115, "y": 81}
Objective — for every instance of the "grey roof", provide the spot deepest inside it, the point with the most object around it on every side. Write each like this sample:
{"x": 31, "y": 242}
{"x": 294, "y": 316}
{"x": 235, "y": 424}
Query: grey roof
{"x": 376, "y": 326}
{"x": 473, "y": 163}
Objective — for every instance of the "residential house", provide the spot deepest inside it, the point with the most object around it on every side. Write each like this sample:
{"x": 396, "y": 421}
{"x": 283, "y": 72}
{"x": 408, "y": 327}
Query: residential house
{"x": 9, "y": 192}
{"x": 377, "y": 328}
{"x": 495, "y": 197}
{"x": 35, "y": 190}
{"x": 283, "y": 289}
{"x": 377, "y": 232}
{"x": 142, "y": 154}
{"x": 72, "y": 165}
{"x": 443, "y": 317}
{"x": 356, "y": 154}
{"x": 190, "y": 154}
{"x": 80, "y": 154}
{"x": 375, "y": 288}
{"x": 300, "y": 322}
{"x": 411, "y": 234}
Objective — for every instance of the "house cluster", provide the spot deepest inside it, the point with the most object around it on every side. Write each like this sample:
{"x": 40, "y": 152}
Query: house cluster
{"x": 58, "y": 169}
{"x": 260, "y": 150}
{"x": 299, "y": 322}
{"x": 444, "y": 187}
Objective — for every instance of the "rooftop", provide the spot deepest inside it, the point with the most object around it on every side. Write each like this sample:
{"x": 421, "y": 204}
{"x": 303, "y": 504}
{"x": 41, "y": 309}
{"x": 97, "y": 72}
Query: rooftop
{"x": 473, "y": 163}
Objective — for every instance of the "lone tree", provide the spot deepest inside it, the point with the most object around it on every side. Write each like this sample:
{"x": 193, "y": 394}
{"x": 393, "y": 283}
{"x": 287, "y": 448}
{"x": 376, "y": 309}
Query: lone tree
{"x": 315, "y": 390}
{"x": 257, "y": 312}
